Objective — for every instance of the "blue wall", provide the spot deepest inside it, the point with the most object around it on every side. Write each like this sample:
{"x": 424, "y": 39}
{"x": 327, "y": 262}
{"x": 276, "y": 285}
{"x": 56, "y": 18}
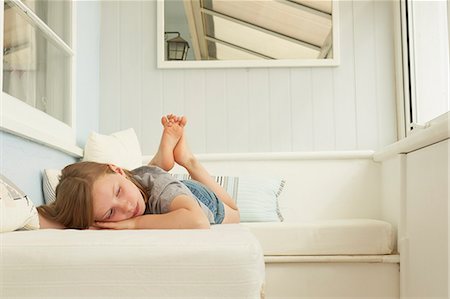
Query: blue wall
{"x": 21, "y": 160}
{"x": 88, "y": 66}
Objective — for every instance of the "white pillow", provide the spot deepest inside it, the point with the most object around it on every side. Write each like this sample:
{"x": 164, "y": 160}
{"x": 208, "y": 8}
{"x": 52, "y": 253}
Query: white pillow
{"x": 256, "y": 197}
{"x": 16, "y": 210}
{"x": 121, "y": 148}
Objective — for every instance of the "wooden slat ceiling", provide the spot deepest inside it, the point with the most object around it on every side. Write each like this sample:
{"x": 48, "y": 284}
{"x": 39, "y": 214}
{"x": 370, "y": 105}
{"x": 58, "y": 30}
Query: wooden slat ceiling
{"x": 263, "y": 29}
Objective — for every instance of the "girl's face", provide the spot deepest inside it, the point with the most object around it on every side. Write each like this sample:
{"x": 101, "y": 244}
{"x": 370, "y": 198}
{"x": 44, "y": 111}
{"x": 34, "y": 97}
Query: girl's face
{"x": 116, "y": 198}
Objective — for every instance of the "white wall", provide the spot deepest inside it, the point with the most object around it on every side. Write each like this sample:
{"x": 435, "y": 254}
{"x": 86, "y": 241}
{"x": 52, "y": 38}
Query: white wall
{"x": 252, "y": 110}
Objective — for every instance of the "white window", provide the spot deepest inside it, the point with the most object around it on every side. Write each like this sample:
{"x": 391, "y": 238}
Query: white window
{"x": 426, "y": 67}
{"x": 38, "y": 72}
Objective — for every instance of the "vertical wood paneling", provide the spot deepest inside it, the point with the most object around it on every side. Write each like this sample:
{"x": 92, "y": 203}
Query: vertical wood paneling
{"x": 365, "y": 75}
{"x": 173, "y": 92}
{"x": 151, "y": 83}
{"x": 385, "y": 73}
{"x": 302, "y": 110}
{"x": 131, "y": 77}
{"x": 280, "y": 110}
{"x": 109, "y": 118}
{"x": 344, "y": 83}
{"x": 195, "y": 109}
{"x": 238, "y": 110}
{"x": 323, "y": 111}
{"x": 348, "y": 107}
{"x": 216, "y": 112}
{"x": 259, "y": 111}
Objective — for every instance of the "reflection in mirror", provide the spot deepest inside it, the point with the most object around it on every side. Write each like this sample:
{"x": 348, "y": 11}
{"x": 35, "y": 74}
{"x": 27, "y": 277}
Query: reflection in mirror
{"x": 250, "y": 30}
{"x": 177, "y": 48}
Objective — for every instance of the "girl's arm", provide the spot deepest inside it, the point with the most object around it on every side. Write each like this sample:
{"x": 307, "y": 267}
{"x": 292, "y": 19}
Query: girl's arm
{"x": 185, "y": 213}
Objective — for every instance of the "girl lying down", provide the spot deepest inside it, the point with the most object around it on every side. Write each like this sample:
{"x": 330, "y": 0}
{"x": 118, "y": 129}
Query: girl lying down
{"x": 104, "y": 196}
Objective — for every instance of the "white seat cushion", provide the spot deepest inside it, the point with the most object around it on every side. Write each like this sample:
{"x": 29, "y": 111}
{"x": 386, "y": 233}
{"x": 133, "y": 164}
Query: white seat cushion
{"x": 331, "y": 237}
{"x": 225, "y": 260}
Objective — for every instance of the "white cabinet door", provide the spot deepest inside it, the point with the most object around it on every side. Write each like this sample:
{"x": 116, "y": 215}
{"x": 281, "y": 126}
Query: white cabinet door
{"x": 425, "y": 260}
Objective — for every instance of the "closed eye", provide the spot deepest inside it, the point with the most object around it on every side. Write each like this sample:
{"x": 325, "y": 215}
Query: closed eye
{"x": 110, "y": 214}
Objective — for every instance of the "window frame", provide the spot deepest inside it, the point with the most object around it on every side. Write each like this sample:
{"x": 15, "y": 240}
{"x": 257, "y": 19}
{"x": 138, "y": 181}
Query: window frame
{"x": 407, "y": 120}
{"x": 18, "y": 118}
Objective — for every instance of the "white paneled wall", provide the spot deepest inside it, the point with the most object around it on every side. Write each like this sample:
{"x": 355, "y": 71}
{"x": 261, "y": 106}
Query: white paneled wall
{"x": 348, "y": 107}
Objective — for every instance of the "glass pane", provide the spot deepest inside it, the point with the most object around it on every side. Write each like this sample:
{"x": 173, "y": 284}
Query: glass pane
{"x": 431, "y": 60}
{"x": 55, "y": 13}
{"x": 34, "y": 70}
{"x": 175, "y": 21}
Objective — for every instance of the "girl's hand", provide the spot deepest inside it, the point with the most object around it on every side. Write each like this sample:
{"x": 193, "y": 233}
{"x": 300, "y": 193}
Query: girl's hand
{"x": 124, "y": 224}
{"x": 94, "y": 228}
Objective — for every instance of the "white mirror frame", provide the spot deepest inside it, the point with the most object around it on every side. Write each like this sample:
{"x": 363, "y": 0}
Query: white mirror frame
{"x": 164, "y": 64}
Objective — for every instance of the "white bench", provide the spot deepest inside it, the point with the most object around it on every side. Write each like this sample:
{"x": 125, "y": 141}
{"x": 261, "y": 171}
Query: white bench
{"x": 333, "y": 242}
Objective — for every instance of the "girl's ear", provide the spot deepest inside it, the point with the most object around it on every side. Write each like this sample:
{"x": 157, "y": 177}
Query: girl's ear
{"x": 116, "y": 169}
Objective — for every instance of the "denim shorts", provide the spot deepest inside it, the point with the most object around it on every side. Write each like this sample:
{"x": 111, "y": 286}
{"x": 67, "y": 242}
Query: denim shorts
{"x": 208, "y": 198}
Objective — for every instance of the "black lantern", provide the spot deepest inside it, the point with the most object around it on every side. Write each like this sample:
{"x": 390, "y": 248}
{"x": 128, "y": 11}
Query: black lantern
{"x": 177, "y": 47}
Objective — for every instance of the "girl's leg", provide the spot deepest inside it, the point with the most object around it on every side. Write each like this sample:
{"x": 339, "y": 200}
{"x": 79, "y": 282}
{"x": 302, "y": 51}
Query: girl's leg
{"x": 184, "y": 157}
{"x": 173, "y": 148}
{"x": 172, "y": 132}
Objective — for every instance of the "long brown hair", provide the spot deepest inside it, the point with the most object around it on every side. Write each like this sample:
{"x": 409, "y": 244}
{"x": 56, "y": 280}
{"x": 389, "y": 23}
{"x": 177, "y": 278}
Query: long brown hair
{"x": 73, "y": 206}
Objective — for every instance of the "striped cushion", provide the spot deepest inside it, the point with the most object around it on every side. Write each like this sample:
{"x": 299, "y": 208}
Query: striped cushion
{"x": 50, "y": 179}
{"x": 256, "y": 197}
{"x": 17, "y": 211}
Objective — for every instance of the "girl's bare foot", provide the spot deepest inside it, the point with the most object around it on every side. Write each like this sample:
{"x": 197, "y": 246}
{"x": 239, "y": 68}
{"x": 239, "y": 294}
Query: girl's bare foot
{"x": 172, "y": 133}
{"x": 182, "y": 153}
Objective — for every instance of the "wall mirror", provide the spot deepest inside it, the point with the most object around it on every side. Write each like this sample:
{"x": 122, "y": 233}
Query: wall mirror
{"x": 247, "y": 33}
